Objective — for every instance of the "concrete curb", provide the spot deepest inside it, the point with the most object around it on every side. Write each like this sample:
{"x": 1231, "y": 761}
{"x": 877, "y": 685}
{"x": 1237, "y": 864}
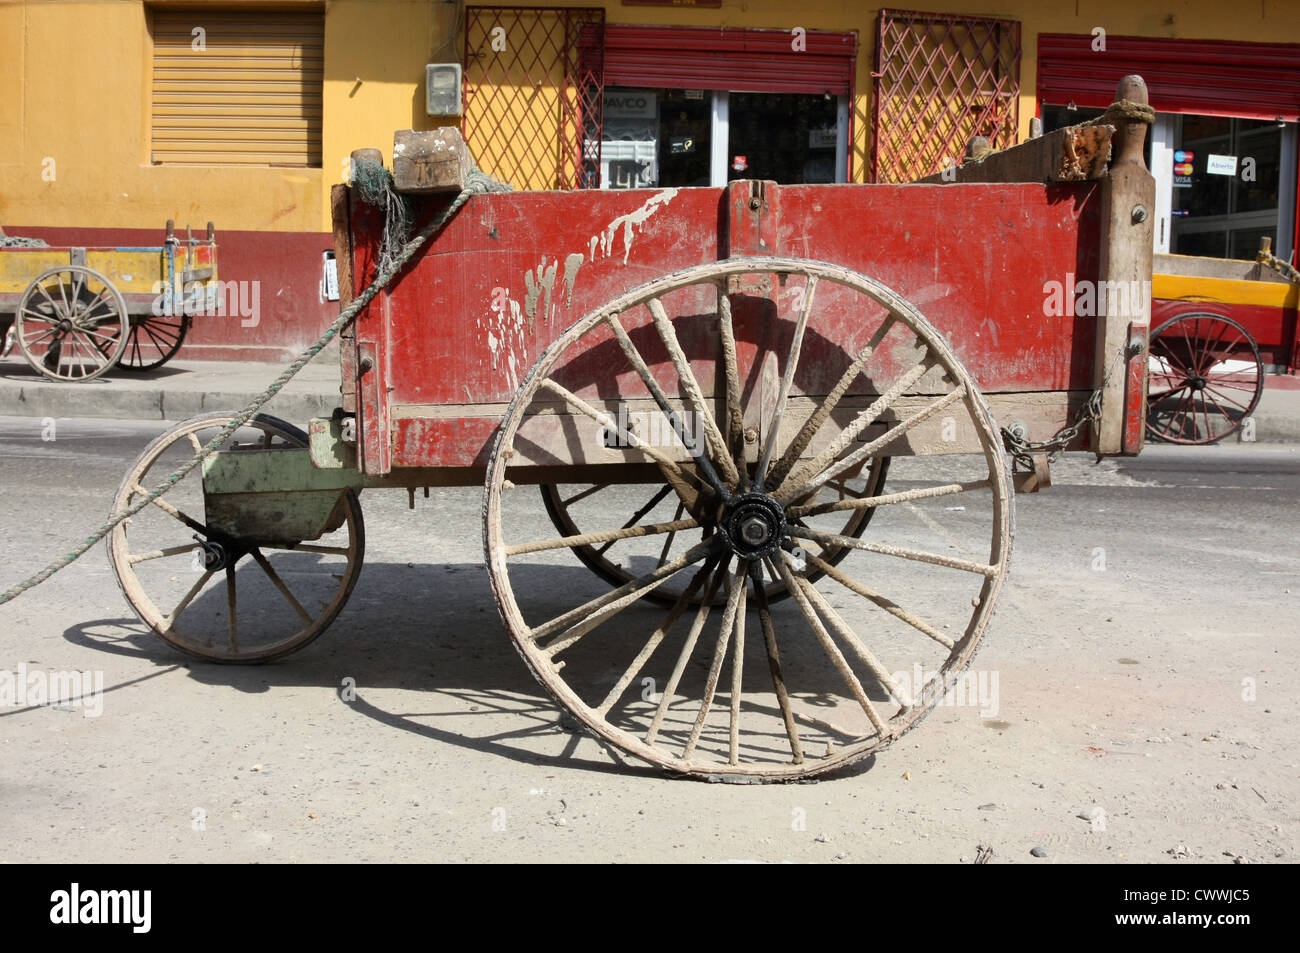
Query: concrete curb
{"x": 179, "y": 390}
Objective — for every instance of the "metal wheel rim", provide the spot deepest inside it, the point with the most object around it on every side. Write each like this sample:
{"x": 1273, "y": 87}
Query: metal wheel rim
{"x": 164, "y": 622}
{"x": 616, "y": 575}
{"x": 563, "y": 631}
{"x": 1223, "y": 394}
{"x": 77, "y": 317}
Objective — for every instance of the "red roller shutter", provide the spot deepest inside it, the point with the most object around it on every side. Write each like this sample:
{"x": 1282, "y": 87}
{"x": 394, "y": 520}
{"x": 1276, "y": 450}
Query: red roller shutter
{"x": 732, "y": 58}
{"x": 1206, "y": 77}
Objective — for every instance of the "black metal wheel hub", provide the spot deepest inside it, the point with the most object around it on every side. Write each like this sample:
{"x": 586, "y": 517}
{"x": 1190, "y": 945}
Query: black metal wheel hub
{"x": 219, "y": 553}
{"x": 753, "y": 525}
{"x": 1197, "y": 381}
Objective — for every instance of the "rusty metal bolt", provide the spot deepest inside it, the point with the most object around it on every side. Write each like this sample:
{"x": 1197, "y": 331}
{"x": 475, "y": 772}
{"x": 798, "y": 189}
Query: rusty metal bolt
{"x": 751, "y": 435}
{"x": 1139, "y": 214}
{"x": 755, "y": 204}
{"x": 367, "y": 363}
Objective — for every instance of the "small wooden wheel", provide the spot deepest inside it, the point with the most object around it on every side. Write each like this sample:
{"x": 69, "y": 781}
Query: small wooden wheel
{"x": 218, "y": 597}
{"x": 860, "y": 654}
{"x": 1205, "y": 378}
{"x": 71, "y": 323}
{"x": 568, "y": 506}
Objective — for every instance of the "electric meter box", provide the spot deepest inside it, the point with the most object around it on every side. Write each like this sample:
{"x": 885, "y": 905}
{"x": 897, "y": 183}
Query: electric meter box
{"x": 442, "y": 89}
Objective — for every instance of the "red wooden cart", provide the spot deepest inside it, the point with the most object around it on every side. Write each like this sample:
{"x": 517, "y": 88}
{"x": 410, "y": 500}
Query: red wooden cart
{"x": 1219, "y": 327}
{"x": 707, "y": 385}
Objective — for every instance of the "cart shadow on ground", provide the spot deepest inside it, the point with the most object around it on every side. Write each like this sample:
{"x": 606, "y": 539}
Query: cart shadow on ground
{"x": 385, "y": 640}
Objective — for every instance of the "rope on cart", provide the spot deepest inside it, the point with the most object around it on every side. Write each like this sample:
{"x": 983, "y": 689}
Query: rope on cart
{"x": 1285, "y": 269}
{"x": 476, "y": 183}
{"x": 1123, "y": 110}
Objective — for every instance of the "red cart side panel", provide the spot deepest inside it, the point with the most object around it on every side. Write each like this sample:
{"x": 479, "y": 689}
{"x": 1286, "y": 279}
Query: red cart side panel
{"x": 457, "y": 333}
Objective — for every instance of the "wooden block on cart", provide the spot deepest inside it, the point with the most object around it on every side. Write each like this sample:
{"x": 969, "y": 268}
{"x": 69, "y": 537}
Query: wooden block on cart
{"x": 436, "y": 160}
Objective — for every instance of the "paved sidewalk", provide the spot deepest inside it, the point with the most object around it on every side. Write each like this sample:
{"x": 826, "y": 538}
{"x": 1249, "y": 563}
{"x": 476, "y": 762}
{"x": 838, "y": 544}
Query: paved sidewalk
{"x": 182, "y": 389}
{"x": 178, "y": 390}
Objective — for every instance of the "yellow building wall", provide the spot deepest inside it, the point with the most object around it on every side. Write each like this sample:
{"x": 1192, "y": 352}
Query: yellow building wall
{"x": 74, "y": 123}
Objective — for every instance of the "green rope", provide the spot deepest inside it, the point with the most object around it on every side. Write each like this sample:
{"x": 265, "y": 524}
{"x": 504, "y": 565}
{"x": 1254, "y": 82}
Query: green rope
{"x": 476, "y": 182}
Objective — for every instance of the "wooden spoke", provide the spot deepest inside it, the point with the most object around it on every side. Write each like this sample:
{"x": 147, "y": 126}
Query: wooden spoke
{"x": 827, "y": 406}
{"x": 602, "y": 608}
{"x": 695, "y": 397}
{"x": 888, "y": 605}
{"x": 308, "y": 548}
{"x": 698, "y": 454}
{"x": 170, "y": 620}
{"x": 735, "y": 593}
{"x": 701, "y": 615}
{"x": 161, "y": 553}
{"x": 279, "y": 584}
{"x": 231, "y": 605}
{"x": 795, "y": 489}
{"x": 668, "y": 543}
{"x": 588, "y": 492}
{"x": 864, "y": 654}
{"x": 800, "y": 588}
{"x": 735, "y": 440}
{"x": 849, "y": 435}
{"x": 172, "y": 511}
{"x": 774, "y": 664}
{"x": 611, "y": 536}
{"x": 737, "y": 669}
{"x": 632, "y": 521}
{"x": 605, "y": 420}
{"x": 935, "y": 559}
{"x": 787, "y": 381}
{"x": 886, "y": 499}
{"x": 657, "y": 636}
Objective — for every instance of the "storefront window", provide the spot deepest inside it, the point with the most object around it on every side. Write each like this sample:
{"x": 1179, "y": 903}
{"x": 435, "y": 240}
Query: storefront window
{"x": 1225, "y": 185}
{"x": 665, "y": 137}
{"x": 787, "y": 137}
{"x": 1222, "y": 184}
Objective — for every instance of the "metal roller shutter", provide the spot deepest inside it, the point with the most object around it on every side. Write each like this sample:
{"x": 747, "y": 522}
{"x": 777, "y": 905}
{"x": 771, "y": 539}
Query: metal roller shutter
{"x": 732, "y": 58}
{"x": 1205, "y": 77}
{"x": 251, "y": 96}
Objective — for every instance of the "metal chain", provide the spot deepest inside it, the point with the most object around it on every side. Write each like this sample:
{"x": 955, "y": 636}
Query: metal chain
{"x": 476, "y": 182}
{"x": 1016, "y": 437}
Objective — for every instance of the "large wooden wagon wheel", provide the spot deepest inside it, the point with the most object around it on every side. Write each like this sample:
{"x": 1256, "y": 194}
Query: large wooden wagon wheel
{"x": 71, "y": 323}
{"x": 1205, "y": 378}
{"x": 570, "y": 505}
{"x": 853, "y": 660}
{"x": 219, "y": 597}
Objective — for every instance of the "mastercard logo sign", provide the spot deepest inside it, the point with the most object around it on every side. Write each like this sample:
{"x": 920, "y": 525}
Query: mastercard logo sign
{"x": 1183, "y": 168}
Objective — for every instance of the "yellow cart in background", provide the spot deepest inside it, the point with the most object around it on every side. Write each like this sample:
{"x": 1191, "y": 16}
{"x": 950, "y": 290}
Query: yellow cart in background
{"x": 77, "y": 312}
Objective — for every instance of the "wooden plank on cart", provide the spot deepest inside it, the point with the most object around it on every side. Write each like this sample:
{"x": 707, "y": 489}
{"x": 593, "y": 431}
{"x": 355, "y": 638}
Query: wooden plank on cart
{"x": 436, "y": 160}
{"x": 1127, "y": 249}
{"x": 1073, "y": 154}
